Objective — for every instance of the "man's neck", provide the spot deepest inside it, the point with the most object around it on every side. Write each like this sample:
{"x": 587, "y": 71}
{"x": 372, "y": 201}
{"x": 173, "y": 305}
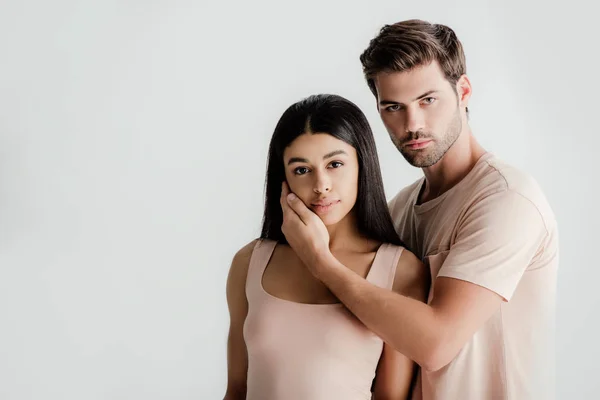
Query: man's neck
{"x": 458, "y": 161}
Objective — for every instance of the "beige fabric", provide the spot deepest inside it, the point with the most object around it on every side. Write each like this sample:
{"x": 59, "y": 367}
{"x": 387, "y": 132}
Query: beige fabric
{"x": 310, "y": 351}
{"x": 494, "y": 229}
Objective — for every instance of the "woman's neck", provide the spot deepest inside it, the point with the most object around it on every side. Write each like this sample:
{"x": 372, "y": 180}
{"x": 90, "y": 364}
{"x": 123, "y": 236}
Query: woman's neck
{"x": 345, "y": 235}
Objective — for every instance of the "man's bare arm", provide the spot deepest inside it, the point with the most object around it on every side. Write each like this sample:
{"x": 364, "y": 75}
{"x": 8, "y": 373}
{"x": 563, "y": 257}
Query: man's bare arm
{"x": 431, "y": 334}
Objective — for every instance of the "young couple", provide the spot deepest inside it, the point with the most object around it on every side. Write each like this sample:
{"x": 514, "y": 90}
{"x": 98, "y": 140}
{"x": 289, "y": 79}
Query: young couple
{"x": 447, "y": 292}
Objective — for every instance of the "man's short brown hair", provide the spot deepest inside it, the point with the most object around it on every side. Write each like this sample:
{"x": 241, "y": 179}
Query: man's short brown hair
{"x": 408, "y": 44}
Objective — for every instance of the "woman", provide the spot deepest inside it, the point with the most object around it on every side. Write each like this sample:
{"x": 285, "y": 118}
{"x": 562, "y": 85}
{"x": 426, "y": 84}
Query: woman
{"x": 289, "y": 337}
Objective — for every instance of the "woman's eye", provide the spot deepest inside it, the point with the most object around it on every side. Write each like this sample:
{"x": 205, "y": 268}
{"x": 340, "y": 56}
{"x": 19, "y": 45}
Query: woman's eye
{"x": 336, "y": 164}
{"x": 300, "y": 170}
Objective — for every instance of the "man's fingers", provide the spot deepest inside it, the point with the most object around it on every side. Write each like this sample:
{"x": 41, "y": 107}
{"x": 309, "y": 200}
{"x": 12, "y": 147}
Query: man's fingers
{"x": 299, "y": 208}
{"x": 285, "y": 190}
{"x": 293, "y": 208}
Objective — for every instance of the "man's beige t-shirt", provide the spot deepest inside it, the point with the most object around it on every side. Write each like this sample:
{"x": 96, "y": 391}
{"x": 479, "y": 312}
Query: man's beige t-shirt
{"x": 496, "y": 230}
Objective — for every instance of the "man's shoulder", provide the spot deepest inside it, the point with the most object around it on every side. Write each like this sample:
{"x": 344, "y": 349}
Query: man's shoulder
{"x": 513, "y": 178}
{"x": 500, "y": 179}
{"x": 405, "y": 197}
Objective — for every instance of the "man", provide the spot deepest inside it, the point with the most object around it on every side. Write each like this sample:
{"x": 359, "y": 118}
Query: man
{"x": 484, "y": 229}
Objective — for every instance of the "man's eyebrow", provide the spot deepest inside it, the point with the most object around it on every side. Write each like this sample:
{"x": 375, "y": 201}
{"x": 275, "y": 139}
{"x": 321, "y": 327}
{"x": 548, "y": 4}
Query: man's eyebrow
{"x": 388, "y": 102}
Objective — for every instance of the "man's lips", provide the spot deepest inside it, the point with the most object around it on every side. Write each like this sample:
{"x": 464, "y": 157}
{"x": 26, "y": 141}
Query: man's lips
{"x": 418, "y": 144}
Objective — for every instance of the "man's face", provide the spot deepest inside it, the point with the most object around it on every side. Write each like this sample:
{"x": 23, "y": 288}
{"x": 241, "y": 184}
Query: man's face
{"x": 420, "y": 110}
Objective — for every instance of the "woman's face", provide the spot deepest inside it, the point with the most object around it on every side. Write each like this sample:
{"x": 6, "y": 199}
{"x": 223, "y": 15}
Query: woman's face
{"x": 323, "y": 172}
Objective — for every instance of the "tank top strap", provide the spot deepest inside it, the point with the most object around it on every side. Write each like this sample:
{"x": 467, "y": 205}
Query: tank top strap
{"x": 263, "y": 250}
{"x": 383, "y": 269}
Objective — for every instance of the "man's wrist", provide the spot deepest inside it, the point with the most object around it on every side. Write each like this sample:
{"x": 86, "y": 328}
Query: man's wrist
{"x": 324, "y": 262}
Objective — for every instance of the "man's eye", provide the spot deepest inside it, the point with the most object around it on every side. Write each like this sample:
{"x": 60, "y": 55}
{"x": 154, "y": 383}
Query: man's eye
{"x": 429, "y": 100}
{"x": 393, "y": 107}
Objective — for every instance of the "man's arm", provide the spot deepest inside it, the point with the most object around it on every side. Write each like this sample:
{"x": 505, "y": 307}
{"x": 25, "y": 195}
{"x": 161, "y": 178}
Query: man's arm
{"x": 485, "y": 264}
{"x": 430, "y": 334}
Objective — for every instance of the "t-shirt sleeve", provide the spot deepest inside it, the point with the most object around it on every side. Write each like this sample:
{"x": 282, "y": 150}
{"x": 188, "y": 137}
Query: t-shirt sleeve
{"x": 497, "y": 239}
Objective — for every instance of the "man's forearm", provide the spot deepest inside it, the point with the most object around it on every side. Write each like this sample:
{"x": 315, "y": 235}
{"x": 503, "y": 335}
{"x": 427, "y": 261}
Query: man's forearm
{"x": 408, "y": 325}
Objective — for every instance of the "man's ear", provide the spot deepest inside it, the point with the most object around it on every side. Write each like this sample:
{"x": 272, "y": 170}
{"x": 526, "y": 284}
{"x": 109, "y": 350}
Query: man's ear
{"x": 464, "y": 91}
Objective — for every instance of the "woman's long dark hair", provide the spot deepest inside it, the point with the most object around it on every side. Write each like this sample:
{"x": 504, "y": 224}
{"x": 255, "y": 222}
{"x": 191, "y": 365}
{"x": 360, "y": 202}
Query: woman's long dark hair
{"x": 342, "y": 119}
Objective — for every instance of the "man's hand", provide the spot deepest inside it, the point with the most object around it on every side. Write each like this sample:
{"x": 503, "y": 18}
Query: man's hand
{"x": 304, "y": 230}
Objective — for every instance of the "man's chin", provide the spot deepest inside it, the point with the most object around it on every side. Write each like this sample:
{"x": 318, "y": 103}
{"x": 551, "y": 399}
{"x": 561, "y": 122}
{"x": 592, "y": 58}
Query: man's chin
{"x": 420, "y": 160}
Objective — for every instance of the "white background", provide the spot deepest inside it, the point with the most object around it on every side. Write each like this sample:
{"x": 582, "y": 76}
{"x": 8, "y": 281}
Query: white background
{"x": 133, "y": 140}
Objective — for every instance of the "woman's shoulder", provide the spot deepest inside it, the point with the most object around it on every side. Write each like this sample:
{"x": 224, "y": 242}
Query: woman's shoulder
{"x": 245, "y": 252}
{"x": 412, "y": 276}
{"x": 407, "y": 260}
{"x": 241, "y": 260}
{"x": 237, "y": 276}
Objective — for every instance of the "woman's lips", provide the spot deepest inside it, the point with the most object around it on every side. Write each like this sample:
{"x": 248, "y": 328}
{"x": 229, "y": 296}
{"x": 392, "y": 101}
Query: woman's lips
{"x": 324, "y": 207}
